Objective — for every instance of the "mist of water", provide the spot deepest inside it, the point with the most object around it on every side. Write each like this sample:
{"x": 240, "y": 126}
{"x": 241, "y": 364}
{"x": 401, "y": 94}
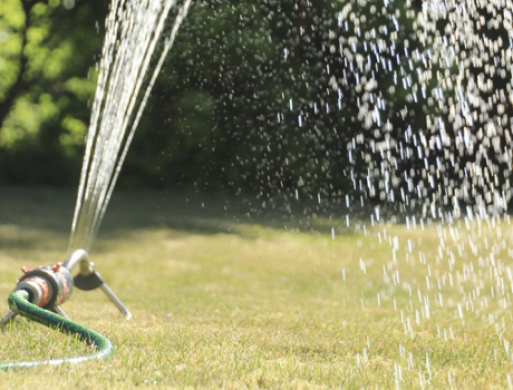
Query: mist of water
{"x": 450, "y": 177}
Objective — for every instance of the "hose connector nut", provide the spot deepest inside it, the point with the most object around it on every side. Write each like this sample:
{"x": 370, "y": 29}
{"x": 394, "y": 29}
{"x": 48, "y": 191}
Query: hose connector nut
{"x": 39, "y": 290}
{"x": 47, "y": 285}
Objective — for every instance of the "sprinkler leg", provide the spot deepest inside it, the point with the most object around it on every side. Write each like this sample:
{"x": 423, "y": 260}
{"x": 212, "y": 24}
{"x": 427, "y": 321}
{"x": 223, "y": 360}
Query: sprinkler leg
{"x": 115, "y": 300}
{"x": 59, "y": 311}
{"x": 91, "y": 279}
{"x": 7, "y": 318}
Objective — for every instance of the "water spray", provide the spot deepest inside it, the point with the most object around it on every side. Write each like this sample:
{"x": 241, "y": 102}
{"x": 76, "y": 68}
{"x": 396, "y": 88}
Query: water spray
{"x": 40, "y": 292}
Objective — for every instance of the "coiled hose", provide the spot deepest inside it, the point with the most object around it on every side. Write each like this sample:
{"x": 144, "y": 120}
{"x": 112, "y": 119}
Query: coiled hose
{"x": 18, "y": 302}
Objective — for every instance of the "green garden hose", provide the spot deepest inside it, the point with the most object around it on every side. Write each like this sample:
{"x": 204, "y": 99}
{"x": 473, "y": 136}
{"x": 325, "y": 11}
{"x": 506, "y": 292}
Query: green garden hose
{"x": 19, "y": 303}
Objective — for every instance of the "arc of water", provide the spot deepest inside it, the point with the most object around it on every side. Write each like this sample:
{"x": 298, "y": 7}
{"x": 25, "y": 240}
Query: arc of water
{"x": 125, "y": 97}
{"x": 133, "y": 30}
{"x": 169, "y": 44}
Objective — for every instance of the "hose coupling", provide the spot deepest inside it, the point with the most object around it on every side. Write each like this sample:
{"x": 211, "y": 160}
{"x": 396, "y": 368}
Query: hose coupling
{"x": 48, "y": 286}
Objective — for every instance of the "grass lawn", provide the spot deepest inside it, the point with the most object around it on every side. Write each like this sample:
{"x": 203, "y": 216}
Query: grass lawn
{"x": 222, "y": 300}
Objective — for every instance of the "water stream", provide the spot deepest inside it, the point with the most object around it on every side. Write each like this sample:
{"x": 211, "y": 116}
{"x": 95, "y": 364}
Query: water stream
{"x": 133, "y": 30}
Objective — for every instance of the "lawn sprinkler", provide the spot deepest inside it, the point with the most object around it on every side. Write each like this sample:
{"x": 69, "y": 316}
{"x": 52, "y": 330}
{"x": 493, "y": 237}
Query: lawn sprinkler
{"x": 40, "y": 292}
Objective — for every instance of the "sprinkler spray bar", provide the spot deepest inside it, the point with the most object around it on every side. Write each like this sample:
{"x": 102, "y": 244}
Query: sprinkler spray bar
{"x": 49, "y": 286}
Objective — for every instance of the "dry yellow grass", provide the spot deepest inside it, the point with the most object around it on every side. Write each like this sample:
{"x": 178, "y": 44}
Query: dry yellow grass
{"x": 224, "y": 304}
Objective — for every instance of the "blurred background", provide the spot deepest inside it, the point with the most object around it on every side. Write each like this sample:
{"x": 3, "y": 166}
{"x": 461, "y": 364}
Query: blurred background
{"x": 268, "y": 98}
{"x": 255, "y": 96}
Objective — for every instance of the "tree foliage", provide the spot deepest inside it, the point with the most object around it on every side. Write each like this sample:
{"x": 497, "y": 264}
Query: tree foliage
{"x": 46, "y": 57}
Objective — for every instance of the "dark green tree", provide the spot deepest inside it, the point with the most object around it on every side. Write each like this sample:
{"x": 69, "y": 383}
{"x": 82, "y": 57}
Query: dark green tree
{"x": 46, "y": 80}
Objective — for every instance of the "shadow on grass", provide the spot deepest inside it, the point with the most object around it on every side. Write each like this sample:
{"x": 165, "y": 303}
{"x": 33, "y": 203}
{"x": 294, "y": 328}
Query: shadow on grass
{"x": 38, "y": 208}
{"x": 51, "y": 210}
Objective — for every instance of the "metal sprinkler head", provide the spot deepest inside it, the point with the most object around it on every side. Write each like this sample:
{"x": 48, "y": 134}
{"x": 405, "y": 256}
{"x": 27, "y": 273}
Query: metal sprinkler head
{"x": 51, "y": 285}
